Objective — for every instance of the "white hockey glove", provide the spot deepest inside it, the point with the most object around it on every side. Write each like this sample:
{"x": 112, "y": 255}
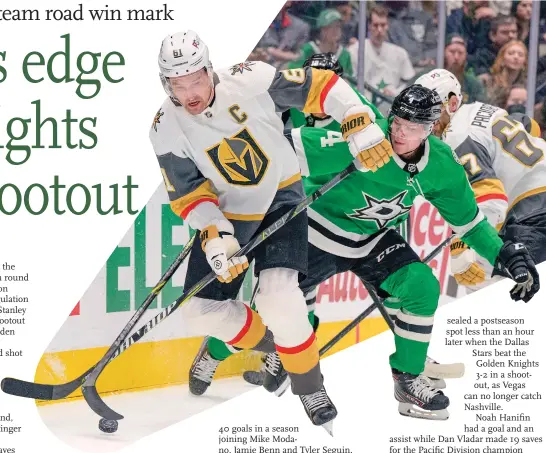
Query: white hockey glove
{"x": 366, "y": 140}
{"x": 219, "y": 247}
{"x": 464, "y": 265}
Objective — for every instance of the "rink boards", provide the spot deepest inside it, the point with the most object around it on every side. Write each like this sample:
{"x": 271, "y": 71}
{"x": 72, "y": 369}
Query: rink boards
{"x": 165, "y": 354}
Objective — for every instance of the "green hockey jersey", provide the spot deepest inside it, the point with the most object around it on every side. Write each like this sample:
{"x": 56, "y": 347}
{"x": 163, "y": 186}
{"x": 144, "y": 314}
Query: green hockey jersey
{"x": 342, "y": 221}
{"x": 300, "y": 119}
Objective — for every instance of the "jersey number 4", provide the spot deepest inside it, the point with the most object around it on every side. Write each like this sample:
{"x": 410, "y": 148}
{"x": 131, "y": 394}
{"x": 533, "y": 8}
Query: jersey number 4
{"x": 516, "y": 142}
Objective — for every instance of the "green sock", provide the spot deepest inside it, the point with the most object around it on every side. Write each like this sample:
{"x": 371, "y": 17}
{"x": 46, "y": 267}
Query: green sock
{"x": 418, "y": 292}
{"x": 311, "y": 317}
{"x": 218, "y": 349}
{"x": 409, "y": 356}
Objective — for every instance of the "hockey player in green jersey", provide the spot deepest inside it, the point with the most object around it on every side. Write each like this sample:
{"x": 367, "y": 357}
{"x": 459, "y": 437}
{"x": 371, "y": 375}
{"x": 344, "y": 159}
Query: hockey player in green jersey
{"x": 350, "y": 229}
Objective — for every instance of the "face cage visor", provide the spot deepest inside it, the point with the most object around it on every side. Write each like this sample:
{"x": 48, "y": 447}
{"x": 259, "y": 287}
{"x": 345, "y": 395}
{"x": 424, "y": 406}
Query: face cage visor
{"x": 400, "y": 128}
{"x": 167, "y": 86}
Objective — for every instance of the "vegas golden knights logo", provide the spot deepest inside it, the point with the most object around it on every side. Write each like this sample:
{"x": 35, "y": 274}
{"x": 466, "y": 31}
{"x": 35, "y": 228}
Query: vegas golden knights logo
{"x": 239, "y": 159}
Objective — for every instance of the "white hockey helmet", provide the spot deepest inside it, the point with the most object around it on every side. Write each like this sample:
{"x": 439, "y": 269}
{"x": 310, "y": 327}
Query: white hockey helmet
{"x": 445, "y": 84}
{"x": 181, "y": 54}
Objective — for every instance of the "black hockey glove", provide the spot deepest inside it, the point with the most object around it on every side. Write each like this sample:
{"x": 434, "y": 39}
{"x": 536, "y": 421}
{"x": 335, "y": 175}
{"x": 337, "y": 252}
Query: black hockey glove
{"x": 515, "y": 262}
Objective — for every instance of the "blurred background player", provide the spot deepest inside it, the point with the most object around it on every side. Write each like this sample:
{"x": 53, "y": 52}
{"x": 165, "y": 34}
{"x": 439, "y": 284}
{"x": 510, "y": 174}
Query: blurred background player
{"x": 504, "y": 161}
{"x": 219, "y": 140}
{"x": 294, "y": 118}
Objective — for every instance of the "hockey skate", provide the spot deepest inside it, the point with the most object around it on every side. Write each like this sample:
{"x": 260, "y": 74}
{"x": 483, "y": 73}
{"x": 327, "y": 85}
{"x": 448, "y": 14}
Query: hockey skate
{"x": 320, "y": 409}
{"x": 276, "y": 379}
{"x": 202, "y": 370}
{"x": 430, "y": 368}
{"x": 418, "y": 398}
{"x": 256, "y": 377}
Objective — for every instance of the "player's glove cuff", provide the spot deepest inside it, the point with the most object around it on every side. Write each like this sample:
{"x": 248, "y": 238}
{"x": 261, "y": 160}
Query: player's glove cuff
{"x": 366, "y": 140}
{"x": 464, "y": 265}
{"x": 515, "y": 261}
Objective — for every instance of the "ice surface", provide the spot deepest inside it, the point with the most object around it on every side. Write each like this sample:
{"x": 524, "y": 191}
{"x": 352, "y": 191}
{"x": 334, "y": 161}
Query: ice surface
{"x": 145, "y": 412}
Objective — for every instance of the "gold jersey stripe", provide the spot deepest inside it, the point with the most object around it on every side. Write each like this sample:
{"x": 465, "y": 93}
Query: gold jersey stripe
{"x": 290, "y": 181}
{"x": 244, "y": 217}
{"x": 488, "y": 186}
{"x": 319, "y": 83}
{"x": 204, "y": 191}
{"x": 526, "y": 195}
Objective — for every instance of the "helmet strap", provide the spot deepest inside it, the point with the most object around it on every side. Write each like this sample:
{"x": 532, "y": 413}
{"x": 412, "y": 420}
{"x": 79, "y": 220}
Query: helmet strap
{"x": 210, "y": 73}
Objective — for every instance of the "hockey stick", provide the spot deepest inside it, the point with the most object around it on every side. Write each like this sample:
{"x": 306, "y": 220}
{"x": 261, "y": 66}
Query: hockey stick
{"x": 375, "y": 305}
{"x": 34, "y": 390}
{"x": 50, "y": 392}
{"x": 252, "y": 377}
{"x": 89, "y": 389}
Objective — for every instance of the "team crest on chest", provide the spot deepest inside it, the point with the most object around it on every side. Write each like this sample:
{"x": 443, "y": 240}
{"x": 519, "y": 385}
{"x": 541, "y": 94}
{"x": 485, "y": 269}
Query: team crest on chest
{"x": 381, "y": 211}
{"x": 239, "y": 159}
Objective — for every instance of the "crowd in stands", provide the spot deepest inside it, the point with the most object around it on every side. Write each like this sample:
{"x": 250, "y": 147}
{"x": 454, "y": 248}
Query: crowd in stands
{"x": 486, "y": 45}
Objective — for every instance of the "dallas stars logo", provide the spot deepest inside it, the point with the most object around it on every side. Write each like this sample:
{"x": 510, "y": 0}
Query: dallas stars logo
{"x": 381, "y": 211}
{"x": 239, "y": 68}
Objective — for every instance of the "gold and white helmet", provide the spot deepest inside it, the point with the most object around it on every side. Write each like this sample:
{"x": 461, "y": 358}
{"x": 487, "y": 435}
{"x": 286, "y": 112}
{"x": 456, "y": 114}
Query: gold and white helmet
{"x": 445, "y": 84}
{"x": 181, "y": 54}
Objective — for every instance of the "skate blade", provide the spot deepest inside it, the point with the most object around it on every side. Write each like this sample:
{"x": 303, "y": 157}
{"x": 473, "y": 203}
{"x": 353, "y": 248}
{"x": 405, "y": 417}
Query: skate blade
{"x": 410, "y": 410}
{"x": 444, "y": 370}
{"x": 329, "y": 427}
{"x": 280, "y": 391}
{"x": 438, "y": 384}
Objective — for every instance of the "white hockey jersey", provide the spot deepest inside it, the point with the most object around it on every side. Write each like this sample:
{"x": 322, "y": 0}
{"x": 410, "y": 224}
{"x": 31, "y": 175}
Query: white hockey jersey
{"x": 234, "y": 154}
{"x": 505, "y": 164}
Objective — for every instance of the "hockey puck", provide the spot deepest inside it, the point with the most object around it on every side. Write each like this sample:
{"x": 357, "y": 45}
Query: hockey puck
{"x": 108, "y": 426}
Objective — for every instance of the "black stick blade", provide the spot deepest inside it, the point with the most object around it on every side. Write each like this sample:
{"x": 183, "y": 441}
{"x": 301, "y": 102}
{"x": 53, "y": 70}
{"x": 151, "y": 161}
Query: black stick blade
{"x": 36, "y": 391}
{"x": 47, "y": 392}
{"x": 97, "y": 404}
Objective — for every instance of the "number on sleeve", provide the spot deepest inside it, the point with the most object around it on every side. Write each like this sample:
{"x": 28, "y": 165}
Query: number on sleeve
{"x": 333, "y": 138}
{"x": 294, "y": 75}
{"x": 168, "y": 185}
{"x": 472, "y": 168}
{"x": 515, "y": 142}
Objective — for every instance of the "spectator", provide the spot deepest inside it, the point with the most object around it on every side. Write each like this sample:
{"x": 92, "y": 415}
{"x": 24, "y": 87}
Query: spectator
{"x": 414, "y": 30}
{"x": 501, "y": 6}
{"x": 509, "y": 69}
{"x": 387, "y": 67}
{"x": 283, "y": 39}
{"x": 503, "y": 29}
{"x": 455, "y": 62}
{"x": 517, "y": 98}
{"x": 308, "y": 10}
{"x": 350, "y": 21}
{"x": 471, "y": 22}
{"x": 329, "y": 40}
{"x": 522, "y": 11}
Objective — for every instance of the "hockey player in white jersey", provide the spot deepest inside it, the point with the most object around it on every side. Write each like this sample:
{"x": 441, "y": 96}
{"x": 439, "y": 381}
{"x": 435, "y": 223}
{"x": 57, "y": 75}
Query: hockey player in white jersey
{"x": 230, "y": 172}
{"x": 506, "y": 167}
